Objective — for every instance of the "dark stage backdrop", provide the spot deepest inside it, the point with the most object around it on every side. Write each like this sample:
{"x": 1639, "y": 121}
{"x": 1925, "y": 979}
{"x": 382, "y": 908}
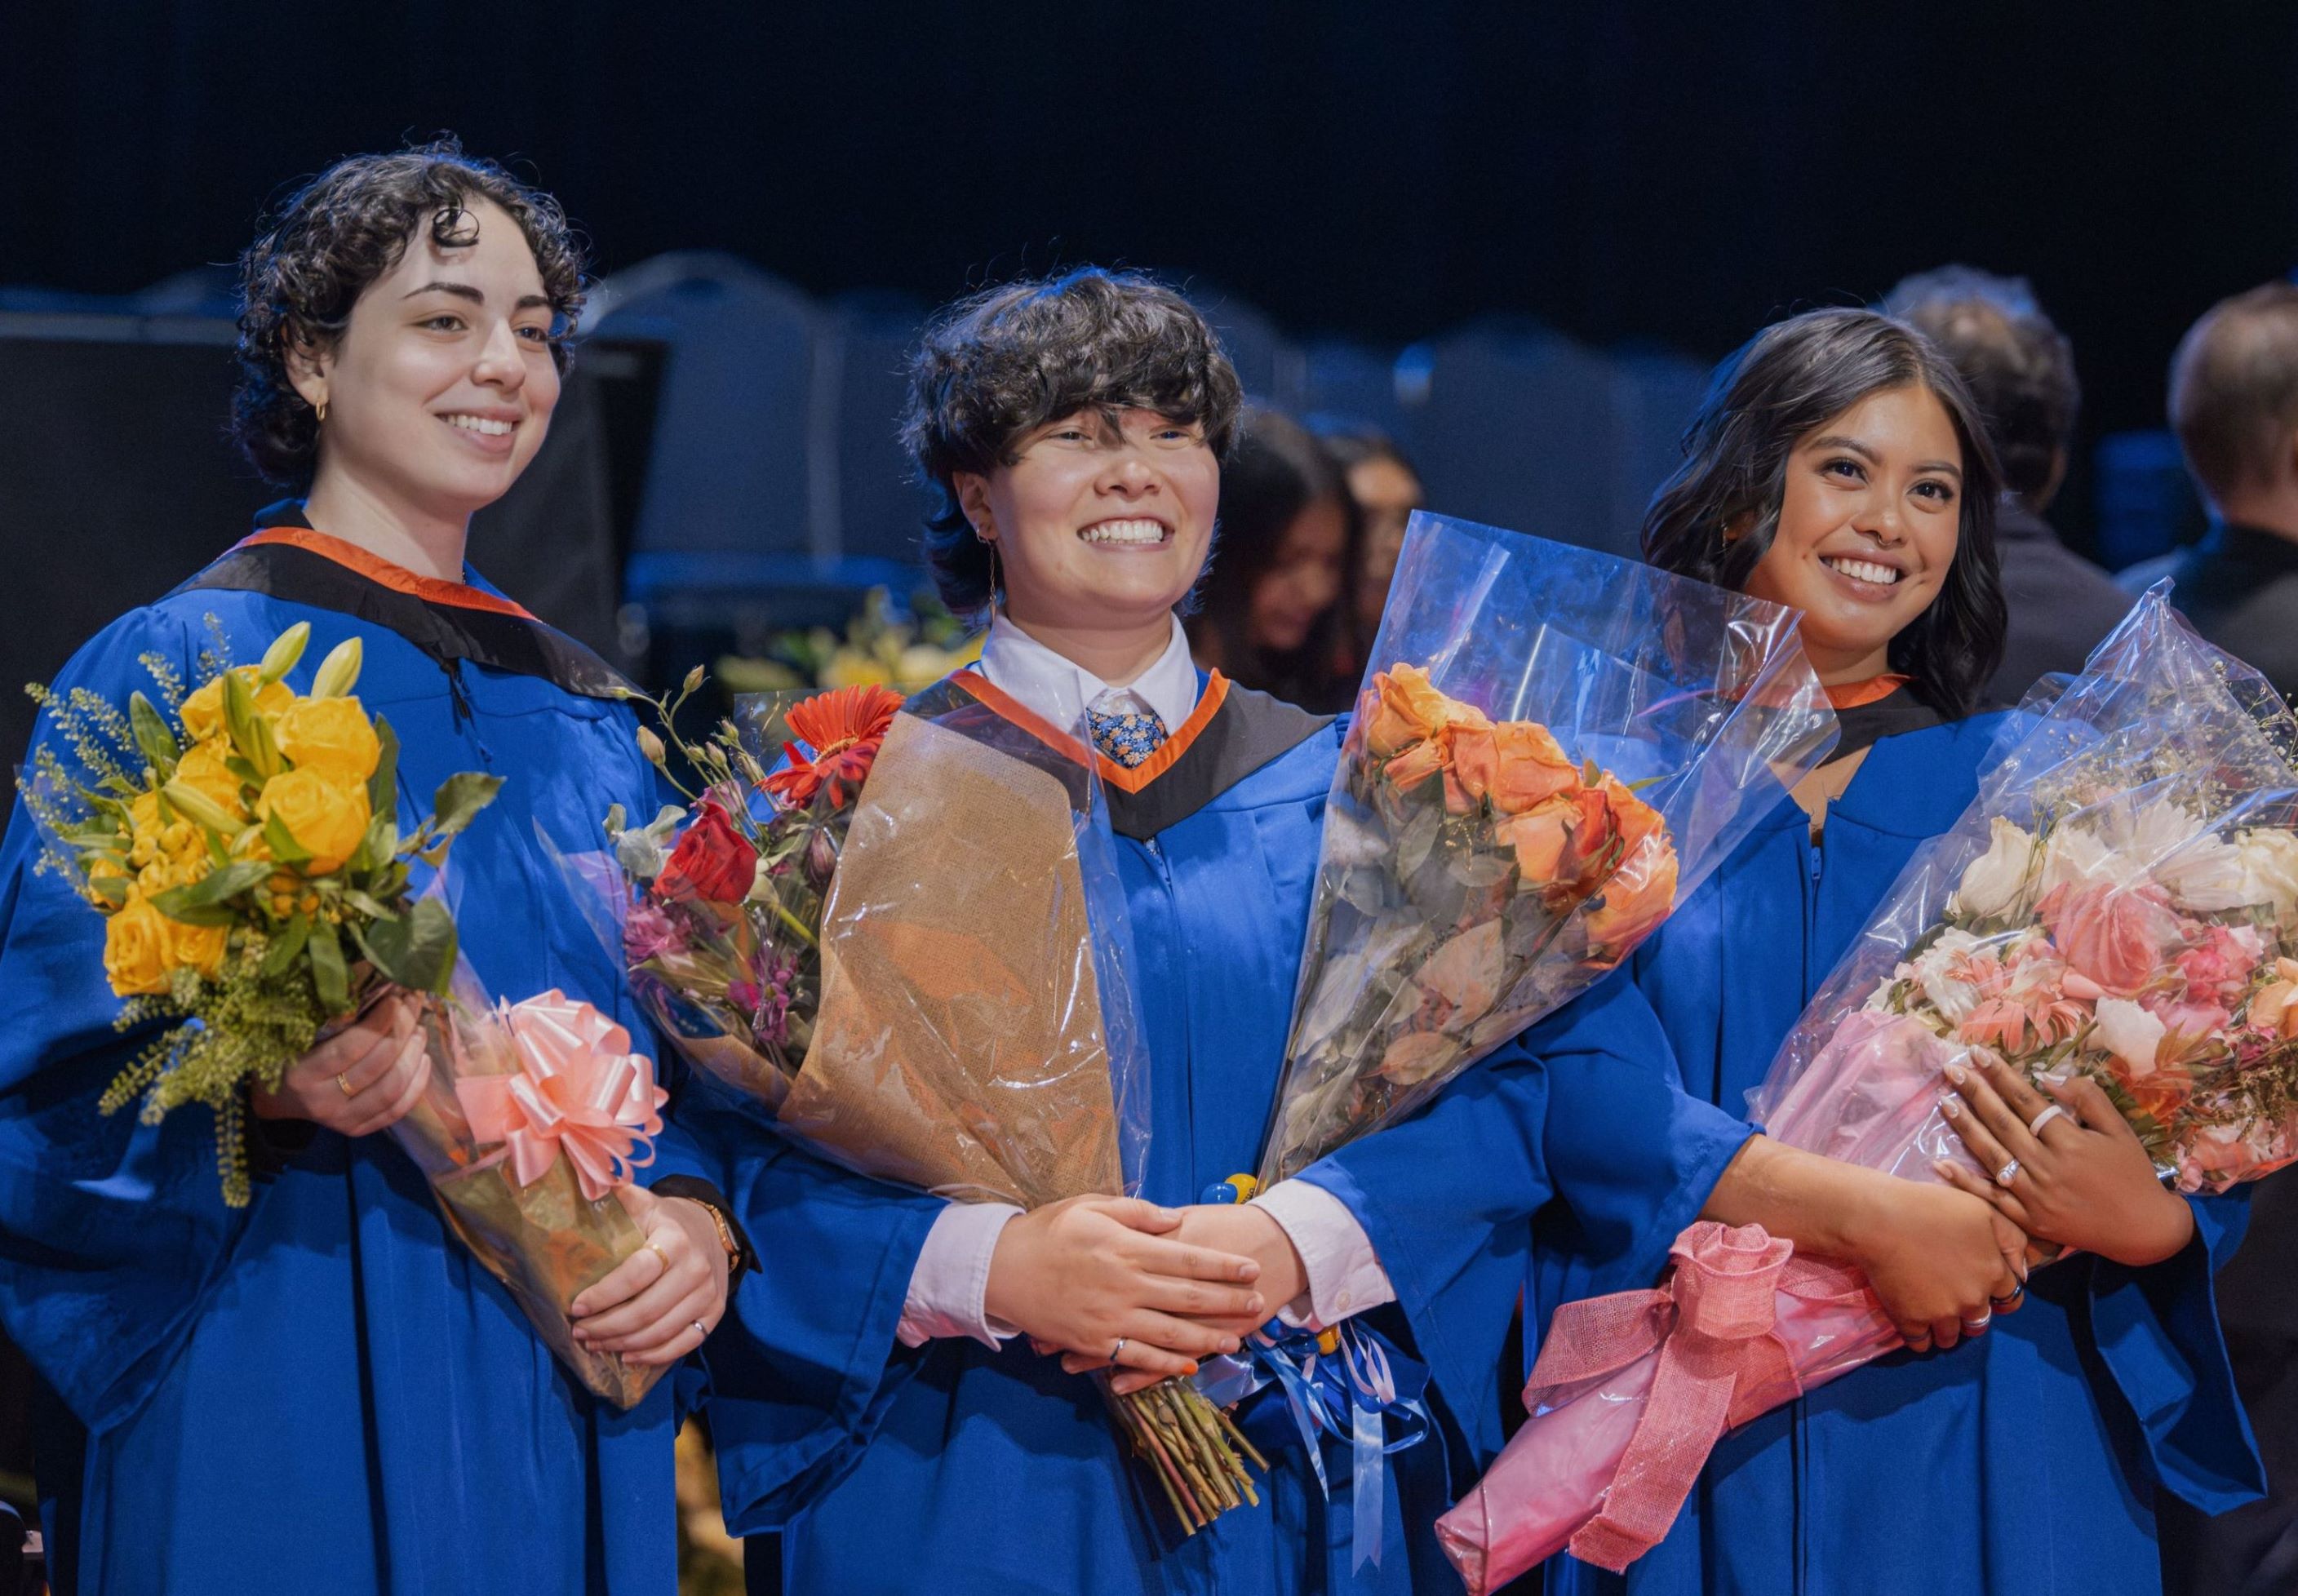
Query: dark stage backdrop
{"x": 1659, "y": 171}
{"x": 116, "y": 482}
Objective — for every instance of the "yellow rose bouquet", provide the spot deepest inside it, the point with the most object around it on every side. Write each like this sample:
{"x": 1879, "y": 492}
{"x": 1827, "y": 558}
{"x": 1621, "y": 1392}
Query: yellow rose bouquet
{"x": 242, "y": 842}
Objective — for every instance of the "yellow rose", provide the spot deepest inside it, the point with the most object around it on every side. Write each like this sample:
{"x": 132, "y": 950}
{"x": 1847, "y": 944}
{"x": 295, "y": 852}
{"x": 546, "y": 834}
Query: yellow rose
{"x": 146, "y": 835}
{"x": 332, "y": 736}
{"x": 203, "y": 767}
{"x": 325, "y": 819}
{"x": 199, "y": 947}
{"x": 136, "y": 941}
{"x": 203, "y": 712}
{"x": 172, "y": 870}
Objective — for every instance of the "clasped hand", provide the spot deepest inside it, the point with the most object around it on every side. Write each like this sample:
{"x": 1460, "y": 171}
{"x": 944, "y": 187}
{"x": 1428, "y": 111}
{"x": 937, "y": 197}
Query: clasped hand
{"x": 1152, "y": 1290}
{"x": 2082, "y": 1179}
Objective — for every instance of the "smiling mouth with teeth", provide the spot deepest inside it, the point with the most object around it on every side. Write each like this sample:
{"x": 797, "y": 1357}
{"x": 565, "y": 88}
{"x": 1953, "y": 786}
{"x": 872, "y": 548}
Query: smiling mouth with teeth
{"x": 1137, "y": 532}
{"x": 1863, "y": 570}
{"x": 481, "y": 424}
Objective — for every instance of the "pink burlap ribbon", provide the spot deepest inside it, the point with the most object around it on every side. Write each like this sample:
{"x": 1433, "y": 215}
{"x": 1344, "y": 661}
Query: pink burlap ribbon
{"x": 578, "y": 1090}
{"x": 1722, "y": 1362}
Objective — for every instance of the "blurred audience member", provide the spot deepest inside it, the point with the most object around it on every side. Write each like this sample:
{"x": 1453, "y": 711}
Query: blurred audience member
{"x": 2022, "y": 370}
{"x": 1271, "y": 616}
{"x": 2234, "y": 404}
{"x": 1387, "y": 490}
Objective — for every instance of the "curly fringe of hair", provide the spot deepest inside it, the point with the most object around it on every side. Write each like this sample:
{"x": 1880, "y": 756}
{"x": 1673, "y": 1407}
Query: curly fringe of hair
{"x": 997, "y": 365}
{"x": 337, "y": 235}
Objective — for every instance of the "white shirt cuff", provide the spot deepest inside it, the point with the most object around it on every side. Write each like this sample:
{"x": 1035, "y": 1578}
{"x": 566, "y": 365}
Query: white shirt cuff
{"x": 952, "y": 1276}
{"x": 1344, "y": 1273}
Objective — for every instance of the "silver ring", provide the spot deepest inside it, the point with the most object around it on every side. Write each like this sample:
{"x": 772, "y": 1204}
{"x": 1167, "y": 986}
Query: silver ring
{"x": 700, "y": 1329}
{"x": 1973, "y": 1326}
{"x": 2007, "y": 1173}
{"x": 2034, "y": 1126}
{"x": 1118, "y": 1350}
{"x": 2017, "y": 1292}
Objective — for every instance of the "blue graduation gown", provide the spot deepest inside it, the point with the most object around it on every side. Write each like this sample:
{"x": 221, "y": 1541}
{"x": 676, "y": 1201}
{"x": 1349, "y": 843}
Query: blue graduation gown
{"x": 975, "y": 1471}
{"x": 2023, "y": 1464}
{"x": 321, "y": 1391}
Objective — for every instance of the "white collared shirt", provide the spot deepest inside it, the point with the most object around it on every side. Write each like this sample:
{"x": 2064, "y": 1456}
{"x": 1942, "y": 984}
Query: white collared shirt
{"x": 945, "y": 1295}
{"x": 1061, "y": 690}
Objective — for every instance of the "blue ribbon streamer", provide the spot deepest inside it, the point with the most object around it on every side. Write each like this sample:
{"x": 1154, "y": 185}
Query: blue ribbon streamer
{"x": 1351, "y": 1395}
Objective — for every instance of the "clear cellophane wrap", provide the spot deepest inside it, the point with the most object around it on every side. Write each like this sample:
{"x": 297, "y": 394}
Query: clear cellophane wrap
{"x": 2119, "y": 901}
{"x": 546, "y": 1241}
{"x": 1431, "y": 940}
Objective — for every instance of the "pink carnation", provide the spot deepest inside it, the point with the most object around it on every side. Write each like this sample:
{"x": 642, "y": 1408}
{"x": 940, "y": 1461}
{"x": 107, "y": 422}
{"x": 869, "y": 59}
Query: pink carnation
{"x": 648, "y": 931}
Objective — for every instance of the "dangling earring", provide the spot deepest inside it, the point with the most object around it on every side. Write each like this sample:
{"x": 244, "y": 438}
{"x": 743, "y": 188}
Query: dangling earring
{"x": 320, "y": 412}
{"x": 996, "y": 588}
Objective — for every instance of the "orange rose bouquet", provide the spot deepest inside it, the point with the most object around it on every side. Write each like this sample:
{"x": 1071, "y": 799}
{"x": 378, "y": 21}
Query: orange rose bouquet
{"x": 242, "y": 842}
{"x": 1556, "y": 745}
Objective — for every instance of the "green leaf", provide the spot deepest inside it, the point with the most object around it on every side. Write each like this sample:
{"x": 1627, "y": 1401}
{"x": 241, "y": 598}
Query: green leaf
{"x": 383, "y": 787}
{"x": 417, "y": 952}
{"x": 153, "y": 736}
{"x": 213, "y": 887}
{"x": 198, "y": 913}
{"x": 282, "y": 844}
{"x": 330, "y": 977}
{"x": 459, "y": 800}
{"x": 111, "y": 889}
{"x": 372, "y": 907}
{"x": 381, "y": 841}
{"x": 289, "y": 942}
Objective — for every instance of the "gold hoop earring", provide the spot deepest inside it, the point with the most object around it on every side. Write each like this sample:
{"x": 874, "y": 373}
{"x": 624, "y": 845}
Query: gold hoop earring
{"x": 320, "y": 412}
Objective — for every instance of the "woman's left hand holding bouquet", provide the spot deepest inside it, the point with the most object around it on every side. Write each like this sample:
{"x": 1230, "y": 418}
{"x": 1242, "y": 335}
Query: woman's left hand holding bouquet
{"x": 362, "y": 1079}
{"x": 662, "y": 1302}
{"x": 2079, "y": 1176}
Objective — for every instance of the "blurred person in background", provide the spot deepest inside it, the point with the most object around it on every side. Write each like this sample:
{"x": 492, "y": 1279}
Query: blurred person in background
{"x": 2234, "y": 404}
{"x": 1272, "y": 616}
{"x": 2020, "y": 369}
{"x": 1387, "y": 490}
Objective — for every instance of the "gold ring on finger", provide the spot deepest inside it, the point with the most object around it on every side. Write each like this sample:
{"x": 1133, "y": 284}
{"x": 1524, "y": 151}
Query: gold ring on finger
{"x": 658, "y": 1253}
{"x": 342, "y": 1080}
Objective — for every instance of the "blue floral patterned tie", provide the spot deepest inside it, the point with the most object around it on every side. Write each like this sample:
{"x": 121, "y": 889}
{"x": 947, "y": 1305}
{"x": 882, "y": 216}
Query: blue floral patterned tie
{"x": 1127, "y": 735}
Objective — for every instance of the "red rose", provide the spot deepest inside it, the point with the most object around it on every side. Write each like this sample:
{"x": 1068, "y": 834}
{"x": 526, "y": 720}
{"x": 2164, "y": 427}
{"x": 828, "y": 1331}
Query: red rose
{"x": 712, "y": 860}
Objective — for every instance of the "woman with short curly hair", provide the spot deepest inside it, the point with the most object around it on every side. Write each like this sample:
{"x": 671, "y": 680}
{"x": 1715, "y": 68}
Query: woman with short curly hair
{"x": 322, "y": 1390}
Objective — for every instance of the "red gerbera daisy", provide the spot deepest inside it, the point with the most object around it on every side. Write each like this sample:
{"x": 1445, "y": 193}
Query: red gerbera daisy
{"x": 843, "y": 728}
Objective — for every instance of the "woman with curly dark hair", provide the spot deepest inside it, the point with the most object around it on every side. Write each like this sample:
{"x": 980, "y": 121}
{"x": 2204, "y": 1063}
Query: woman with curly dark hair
{"x": 1838, "y": 464}
{"x": 322, "y": 1390}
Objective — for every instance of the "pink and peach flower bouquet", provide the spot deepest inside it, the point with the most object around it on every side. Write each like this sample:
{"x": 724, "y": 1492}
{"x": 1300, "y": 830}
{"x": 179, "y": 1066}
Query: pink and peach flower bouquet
{"x": 2120, "y": 902}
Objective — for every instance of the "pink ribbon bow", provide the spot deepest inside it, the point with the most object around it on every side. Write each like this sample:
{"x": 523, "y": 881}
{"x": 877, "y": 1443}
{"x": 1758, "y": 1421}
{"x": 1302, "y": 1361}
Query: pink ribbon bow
{"x": 578, "y": 1089}
{"x": 1721, "y": 1362}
